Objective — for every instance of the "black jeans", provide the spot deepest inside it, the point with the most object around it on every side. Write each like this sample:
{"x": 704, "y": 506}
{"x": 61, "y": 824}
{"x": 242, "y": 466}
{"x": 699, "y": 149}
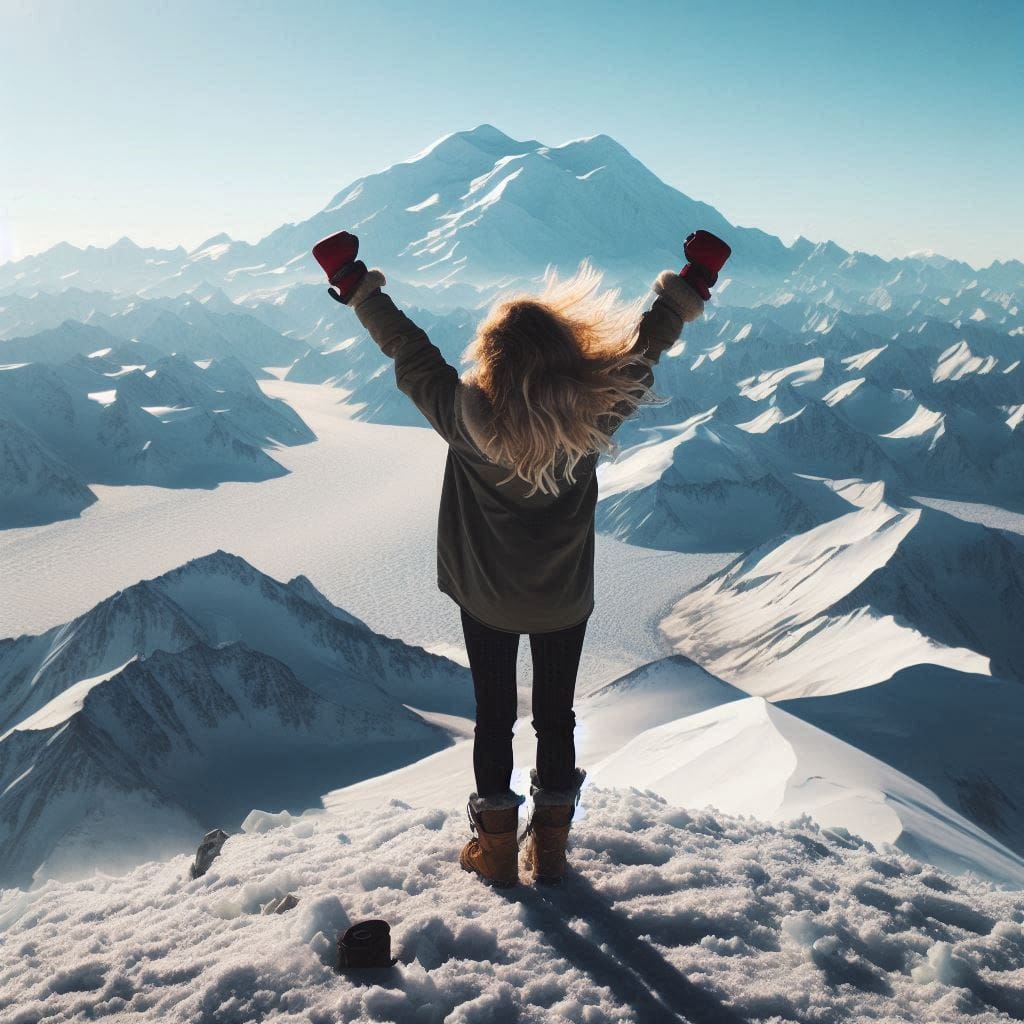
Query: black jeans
{"x": 492, "y": 660}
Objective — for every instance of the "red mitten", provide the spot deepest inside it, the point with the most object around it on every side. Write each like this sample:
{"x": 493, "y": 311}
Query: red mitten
{"x": 337, "y": 255}
{"x": 706, "y": 254}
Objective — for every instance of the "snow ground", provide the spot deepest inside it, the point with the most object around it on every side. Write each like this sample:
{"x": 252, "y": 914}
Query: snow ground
{"x": 790, "y": 768}
{"x": 677, "y": 732}
{"x": 668, "y": 916}
{"x": 357, "y": 514}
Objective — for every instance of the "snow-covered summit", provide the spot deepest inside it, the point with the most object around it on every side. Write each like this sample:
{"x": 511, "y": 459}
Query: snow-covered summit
{"x": 670, "y": 915}
{"x": 477, "y": 210}
{"x": 481, "y": 207}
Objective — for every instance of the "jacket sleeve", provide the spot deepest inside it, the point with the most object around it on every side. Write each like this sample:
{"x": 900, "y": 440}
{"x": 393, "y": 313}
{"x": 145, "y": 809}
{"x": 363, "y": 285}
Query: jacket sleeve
{"x": 420, "y": 370}
{"x": 675, "y": 304}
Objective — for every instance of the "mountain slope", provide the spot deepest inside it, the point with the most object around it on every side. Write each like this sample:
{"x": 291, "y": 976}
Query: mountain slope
{"x": 174, "y": 424}
{"x": 957, "y": 734}
{"x": 193, "y": 737}
{"x": 478, "y": 209}
{"x": 183, "y": 700}
{"x": 855, "y": 600}
{"x": 791, "y": 769}
{"x": 705, "y": 485}
{"x": 38, "y": 487}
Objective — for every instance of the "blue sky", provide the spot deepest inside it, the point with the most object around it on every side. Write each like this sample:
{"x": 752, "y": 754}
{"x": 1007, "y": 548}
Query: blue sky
{"x": 887, "y": 127}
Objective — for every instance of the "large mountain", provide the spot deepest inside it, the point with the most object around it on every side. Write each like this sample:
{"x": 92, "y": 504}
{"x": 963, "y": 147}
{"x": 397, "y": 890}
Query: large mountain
{"x": 183, "y": 701}
{"x": 480, "y": 210}
{"x": 476, "y": 207}
{"x": 482, "y": 207}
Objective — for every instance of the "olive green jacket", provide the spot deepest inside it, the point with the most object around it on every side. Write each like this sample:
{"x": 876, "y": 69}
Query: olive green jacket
{"x": 516, "y": 563}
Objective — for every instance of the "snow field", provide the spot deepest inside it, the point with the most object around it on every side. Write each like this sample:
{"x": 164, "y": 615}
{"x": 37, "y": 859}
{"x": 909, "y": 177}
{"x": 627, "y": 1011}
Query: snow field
{"x": 323, "y": 519}
{"x": 717, "y": 917}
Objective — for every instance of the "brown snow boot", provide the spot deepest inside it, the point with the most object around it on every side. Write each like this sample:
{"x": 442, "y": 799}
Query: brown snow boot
{"x": 492, "y": 853}
{"x": 542, "y": 844}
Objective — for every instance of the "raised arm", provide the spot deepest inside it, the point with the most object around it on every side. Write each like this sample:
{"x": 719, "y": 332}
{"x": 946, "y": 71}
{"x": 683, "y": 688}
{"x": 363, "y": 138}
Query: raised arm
{"x": 680, "y": 299}
{"x": 675, "y": 304}
{"x": 420, "y": 370}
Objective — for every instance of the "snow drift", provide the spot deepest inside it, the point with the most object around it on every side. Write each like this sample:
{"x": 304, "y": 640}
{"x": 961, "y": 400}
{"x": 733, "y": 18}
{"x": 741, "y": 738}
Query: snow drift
{"x": 698, "y": 914}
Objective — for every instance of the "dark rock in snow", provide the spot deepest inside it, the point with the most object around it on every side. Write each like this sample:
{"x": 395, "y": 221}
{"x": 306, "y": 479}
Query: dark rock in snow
{"x": 280, "y": 904}
{"x": 209, "y": 850}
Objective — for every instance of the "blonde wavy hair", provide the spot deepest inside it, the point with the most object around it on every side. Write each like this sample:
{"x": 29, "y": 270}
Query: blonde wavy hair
{"x": 560, "y": 373}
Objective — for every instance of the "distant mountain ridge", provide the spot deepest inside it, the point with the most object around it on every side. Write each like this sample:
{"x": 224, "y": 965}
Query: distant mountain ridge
{"x": 478, "y": 208}
{"x": 96, "y": 419}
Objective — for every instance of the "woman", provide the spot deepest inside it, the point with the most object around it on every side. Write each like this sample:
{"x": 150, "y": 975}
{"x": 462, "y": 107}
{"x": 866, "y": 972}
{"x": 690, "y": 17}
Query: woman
{"x": 553, "y": 376}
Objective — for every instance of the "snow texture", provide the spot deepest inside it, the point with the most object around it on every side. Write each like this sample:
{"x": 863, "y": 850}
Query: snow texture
{"x": 667, "y": 915}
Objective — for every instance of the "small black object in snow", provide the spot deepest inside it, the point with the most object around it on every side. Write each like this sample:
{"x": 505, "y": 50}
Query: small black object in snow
{"x": 209, "y": 850}
{"x": 366, "y": 944}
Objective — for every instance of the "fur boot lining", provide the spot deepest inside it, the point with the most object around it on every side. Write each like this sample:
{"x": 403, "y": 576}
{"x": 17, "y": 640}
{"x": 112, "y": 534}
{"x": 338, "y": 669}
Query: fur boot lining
{"x": 496, "y": 802}
{"x": 679, "y": 295}
{"x": 555, "y": 797}
{"x": 373, "y": 280}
